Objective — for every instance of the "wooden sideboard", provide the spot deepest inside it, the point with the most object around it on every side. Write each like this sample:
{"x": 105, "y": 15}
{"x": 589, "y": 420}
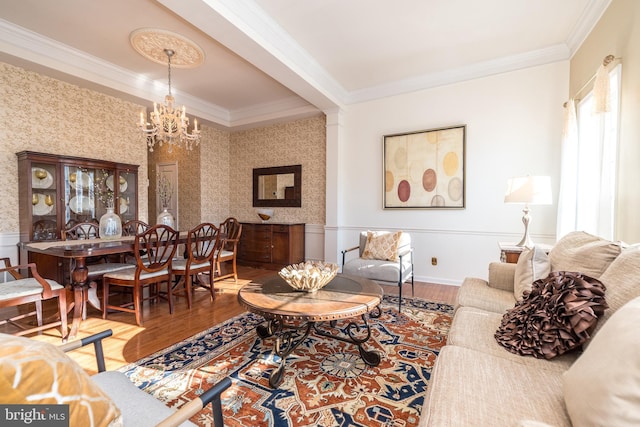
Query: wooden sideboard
{"x": 271, "y": 245}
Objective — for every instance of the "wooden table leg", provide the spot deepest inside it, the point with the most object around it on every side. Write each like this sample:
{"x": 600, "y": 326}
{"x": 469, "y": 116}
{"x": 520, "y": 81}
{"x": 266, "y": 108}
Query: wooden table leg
{"x": 79, "y": 277}
{"x": 78, "y": 306}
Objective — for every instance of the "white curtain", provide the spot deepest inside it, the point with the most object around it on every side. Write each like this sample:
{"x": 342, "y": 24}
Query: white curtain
{"x": 588, "y": 175}
{"x": 567, "y": 202}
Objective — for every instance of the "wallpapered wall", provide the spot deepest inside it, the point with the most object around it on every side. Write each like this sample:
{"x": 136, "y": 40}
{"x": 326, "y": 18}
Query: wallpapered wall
{"x": 299, "y": 142}
{"x": 39, "y": 113}
{"x": 203, "y": 179}
{"x": 214, "y": 175}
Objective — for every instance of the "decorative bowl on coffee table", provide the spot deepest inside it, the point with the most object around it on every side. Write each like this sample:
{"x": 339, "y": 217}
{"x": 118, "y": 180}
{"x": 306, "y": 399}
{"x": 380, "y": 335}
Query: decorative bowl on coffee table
{"x": 309, "y": 276}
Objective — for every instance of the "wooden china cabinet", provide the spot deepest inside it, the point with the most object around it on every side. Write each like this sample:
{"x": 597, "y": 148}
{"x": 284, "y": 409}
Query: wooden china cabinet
{"x": 271, "y": 245}
{"x": 58, "y": 190}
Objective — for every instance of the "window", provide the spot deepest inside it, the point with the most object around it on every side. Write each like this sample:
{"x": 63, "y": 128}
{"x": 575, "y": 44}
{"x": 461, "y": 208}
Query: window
{"x": 589, "y": 168}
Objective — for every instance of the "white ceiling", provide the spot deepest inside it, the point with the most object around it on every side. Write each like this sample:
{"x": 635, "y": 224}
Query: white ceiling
{"x": 270, "y": 60}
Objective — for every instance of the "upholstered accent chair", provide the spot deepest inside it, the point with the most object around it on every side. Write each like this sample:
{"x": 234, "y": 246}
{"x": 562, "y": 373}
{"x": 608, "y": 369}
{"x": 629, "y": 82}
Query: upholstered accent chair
{"x": 18, "y": 291}
{"x": 382, "y": 256}
{"x": 41, "y": 373}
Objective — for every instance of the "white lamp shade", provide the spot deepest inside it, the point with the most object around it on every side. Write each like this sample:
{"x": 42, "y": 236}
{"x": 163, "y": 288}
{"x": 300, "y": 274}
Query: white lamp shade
{"x": 530, "y": 190}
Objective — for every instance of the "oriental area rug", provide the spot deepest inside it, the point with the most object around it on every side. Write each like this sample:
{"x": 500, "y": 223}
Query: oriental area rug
{"x": 326, "y": 383}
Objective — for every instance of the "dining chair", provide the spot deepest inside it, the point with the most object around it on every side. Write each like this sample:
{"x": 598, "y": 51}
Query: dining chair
{"x": 16, "y": 290}
{"x": 81, "y": 231}
{"x": 154, "y": 250}
{"x": 202, "y": 243}
{"x": 133, "y": 227}
{"x": 230, "y": 231}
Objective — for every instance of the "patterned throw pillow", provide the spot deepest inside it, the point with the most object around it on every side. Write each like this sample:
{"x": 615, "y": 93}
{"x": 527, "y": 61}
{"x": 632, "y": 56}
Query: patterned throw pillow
{"x": 34, "y": 372}
{"x": 382, "y": 245}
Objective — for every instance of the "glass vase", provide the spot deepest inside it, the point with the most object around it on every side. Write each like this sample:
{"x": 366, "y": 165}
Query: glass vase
{"x": 166, "y": 218}
{"x": 110, "y": 225}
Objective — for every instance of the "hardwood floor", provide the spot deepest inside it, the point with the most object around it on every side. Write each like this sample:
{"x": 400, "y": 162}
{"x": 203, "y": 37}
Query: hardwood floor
{"x": 160, "y": 329}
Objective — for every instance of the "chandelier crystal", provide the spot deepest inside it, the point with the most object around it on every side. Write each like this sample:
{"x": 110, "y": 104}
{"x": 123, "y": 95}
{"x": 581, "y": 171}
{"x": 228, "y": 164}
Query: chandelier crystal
{"x": 169, "y": 125}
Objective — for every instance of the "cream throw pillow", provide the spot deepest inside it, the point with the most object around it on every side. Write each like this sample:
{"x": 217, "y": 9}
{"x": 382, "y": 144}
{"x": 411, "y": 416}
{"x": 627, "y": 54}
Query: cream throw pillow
{"x": 382, "y": 245}
{"x": 602, "y": 387}
{"x": 533, "y": 264}
{"x": 34, "y": 372}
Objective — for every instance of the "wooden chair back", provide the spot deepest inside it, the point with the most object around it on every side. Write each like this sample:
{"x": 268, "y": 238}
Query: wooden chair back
{"x": 231, "y": 228}
{"x": 82, "y": 231}
{"x": 230, "y": 231}
{"x": 155, "y": 248}
{"x": 202, "y": 243}
{"x": 133, "y": 227}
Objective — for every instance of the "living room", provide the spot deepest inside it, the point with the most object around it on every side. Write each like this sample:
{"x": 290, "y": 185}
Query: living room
{"x": 513, "y": 118}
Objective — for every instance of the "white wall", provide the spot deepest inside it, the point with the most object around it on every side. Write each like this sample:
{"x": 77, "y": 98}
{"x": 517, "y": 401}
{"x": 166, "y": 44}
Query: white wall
{"x": 514, "y": 124}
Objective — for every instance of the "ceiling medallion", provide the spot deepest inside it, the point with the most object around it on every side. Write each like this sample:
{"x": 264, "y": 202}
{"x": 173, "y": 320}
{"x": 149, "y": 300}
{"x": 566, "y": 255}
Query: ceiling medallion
{"x": 152, "y": 42}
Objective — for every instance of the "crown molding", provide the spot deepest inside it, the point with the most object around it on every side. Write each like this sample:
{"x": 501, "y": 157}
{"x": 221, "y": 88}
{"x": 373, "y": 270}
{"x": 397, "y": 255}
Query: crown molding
{"x": 292, "y": 108}
{"x": 35, "y": 48}
{"x": 456, "y": 75}
{"x": 585, "y": 24}
{"x": 247, "y": 30}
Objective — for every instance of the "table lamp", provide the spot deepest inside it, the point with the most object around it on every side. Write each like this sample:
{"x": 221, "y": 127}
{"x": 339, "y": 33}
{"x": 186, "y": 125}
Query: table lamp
{"x": 530, "y": 190}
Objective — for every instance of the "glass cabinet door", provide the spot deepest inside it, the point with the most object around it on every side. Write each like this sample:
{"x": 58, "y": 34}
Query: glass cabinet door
{"x": 43, "y": 201}
{"x": 87, "y": 193}
{"x": 127, "y": 203}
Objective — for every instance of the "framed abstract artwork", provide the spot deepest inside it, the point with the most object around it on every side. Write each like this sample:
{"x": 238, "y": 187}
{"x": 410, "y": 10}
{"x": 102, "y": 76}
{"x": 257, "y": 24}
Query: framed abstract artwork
{"x": 425, "y": 169}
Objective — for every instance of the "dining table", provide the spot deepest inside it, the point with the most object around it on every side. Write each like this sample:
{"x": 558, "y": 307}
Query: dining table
{"x": 79, "y": 250}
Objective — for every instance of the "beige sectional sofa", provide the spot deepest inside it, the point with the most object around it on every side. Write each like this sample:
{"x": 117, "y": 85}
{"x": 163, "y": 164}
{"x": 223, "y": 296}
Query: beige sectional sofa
{"x": 477, "y": 382}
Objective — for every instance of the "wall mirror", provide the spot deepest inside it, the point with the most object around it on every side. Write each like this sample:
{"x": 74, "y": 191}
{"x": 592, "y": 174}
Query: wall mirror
{"x": 279, "y": 186}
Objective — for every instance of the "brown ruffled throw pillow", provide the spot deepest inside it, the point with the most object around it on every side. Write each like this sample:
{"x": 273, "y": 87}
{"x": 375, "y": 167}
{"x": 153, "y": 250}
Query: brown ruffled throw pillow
{"x": 557, "y": 316}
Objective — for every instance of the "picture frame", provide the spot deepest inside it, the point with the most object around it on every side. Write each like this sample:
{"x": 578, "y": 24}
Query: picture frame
{"x": 425, "y": 169}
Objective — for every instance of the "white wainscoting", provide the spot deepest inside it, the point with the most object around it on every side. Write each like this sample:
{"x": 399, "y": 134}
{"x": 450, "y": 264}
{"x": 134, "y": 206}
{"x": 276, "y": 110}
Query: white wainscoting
{"x": 9, "y": 246}
{"x": 314, "y": 242}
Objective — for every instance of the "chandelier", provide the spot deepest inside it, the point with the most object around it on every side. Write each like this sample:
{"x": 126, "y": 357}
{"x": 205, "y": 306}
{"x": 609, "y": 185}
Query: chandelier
{"x": 169, "y": 125}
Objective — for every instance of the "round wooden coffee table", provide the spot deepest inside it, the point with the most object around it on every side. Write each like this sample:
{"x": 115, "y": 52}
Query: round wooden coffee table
{"x": 291, "y": 315}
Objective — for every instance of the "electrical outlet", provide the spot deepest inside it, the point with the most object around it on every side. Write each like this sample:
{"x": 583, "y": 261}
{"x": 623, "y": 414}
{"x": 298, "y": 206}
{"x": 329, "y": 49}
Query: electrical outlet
{"x": 434, "y": 261}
